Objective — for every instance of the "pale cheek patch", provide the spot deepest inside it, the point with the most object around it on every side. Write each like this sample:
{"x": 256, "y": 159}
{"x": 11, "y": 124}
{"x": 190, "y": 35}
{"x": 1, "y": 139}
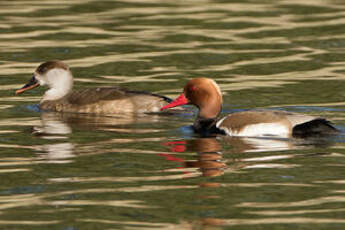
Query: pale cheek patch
{"x": 259, "y": 130}
{"x": 39, "y": 79}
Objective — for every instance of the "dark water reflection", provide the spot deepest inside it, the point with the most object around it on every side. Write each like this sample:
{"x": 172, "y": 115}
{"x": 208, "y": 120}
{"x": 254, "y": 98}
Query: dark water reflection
{"x": 68, "y": 171}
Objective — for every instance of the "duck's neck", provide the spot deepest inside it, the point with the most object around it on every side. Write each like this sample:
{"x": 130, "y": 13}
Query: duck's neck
{"x": 209, "y": 106}
{"x": 206, "y": 126}
{"x": 54, "y": 94}
{"x": 205, "y": 123}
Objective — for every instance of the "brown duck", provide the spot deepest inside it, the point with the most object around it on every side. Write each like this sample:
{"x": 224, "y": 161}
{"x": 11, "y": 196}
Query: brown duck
{"x": 103, "y": 100}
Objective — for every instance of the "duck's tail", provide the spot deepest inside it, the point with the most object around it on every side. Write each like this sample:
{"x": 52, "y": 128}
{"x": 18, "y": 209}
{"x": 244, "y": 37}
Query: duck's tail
{"x": 314, "y": 128}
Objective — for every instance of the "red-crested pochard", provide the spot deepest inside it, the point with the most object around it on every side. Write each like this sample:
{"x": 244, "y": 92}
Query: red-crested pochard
{"x": 104, "y": 100}
{"x": 205, "y": 94}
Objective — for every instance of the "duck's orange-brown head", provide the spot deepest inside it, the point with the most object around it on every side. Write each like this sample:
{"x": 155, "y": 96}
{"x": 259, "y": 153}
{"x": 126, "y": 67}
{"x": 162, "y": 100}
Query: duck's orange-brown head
{"x": 204, "y": 93}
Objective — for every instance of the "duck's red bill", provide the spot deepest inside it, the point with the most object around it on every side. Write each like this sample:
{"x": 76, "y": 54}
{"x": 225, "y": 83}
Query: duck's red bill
{"x": 33, "y": 83}
{"x": 181, "y": 100}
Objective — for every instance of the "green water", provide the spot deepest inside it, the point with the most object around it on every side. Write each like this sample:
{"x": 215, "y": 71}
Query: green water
{"x": 70, "y": 172}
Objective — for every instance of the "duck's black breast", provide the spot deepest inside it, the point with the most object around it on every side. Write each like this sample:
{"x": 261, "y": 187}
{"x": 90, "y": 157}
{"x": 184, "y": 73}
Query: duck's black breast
{"x": 207, "y": 127}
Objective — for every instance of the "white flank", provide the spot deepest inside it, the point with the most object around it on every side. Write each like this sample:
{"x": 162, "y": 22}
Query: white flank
{"x": 258, "y": 130}
{"x": 220, "y": 122}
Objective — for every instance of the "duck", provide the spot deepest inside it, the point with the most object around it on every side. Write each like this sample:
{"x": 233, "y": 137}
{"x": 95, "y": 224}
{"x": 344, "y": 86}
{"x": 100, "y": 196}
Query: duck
{"x": 102, "y": 100}
{"x": 205, "y": 94}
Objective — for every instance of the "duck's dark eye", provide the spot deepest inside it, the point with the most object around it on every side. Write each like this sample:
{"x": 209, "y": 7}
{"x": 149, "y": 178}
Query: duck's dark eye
{"x": 193, "y": 88}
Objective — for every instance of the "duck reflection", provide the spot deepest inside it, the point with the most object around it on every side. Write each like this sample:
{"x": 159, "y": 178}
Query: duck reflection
{"x": 52, "y": 124}
{"x": 62, "y": 123}
{"x": 253, "y": 144}
{"x": 53, "y": 128}
{"x": 209, "y": 159}
{"x": 59, "y": 127}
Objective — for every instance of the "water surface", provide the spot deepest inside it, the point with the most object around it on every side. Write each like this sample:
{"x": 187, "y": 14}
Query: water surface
{"x": 69, "y": 172}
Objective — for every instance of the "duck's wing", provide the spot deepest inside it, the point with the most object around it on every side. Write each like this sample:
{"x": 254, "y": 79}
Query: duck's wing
{"x": 261, "y": 123}
{"x": 95, "y": 95}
